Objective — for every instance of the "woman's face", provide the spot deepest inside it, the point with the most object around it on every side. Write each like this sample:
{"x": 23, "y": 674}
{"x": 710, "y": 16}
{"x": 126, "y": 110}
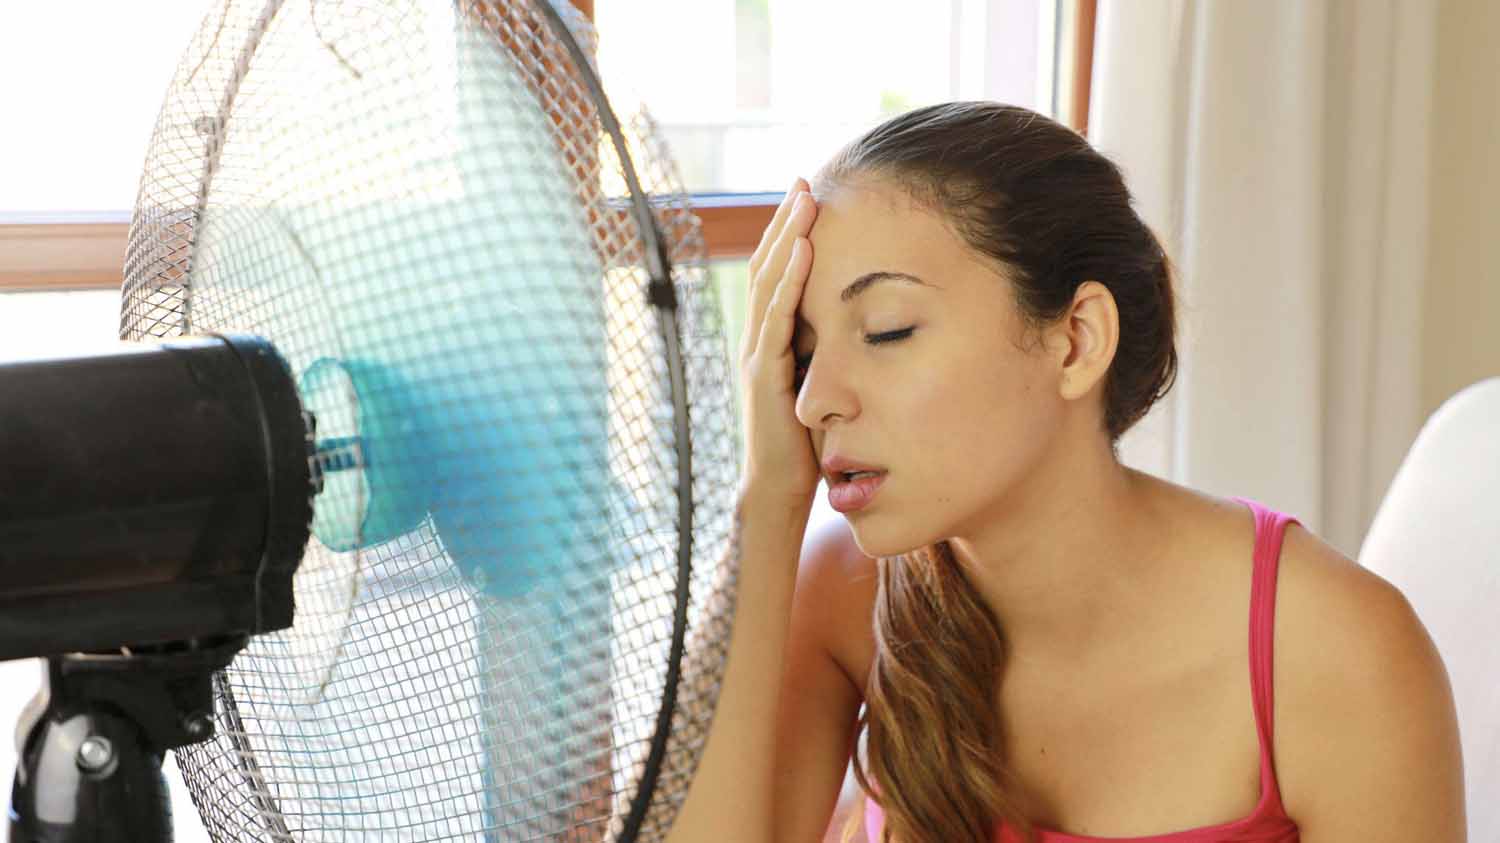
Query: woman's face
{"x": 955, "y": 412}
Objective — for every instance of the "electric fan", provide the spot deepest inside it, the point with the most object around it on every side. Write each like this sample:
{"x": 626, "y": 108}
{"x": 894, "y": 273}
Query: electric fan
{"x": 476, "y": 311}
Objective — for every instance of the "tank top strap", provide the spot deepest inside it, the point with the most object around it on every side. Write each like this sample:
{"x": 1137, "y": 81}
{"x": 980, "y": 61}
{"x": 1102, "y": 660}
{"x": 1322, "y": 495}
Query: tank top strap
{"x": 1270, "y": 528}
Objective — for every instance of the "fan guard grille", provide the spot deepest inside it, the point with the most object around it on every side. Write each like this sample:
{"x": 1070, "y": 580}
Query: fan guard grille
{"x": 305, "y": 150}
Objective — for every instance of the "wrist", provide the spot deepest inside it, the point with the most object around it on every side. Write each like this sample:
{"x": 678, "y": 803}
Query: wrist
{"x": 759, "y": 503}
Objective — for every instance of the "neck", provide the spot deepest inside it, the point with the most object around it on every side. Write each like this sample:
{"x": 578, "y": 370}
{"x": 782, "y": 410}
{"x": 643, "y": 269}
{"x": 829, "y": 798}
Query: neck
{"x": 1071, "y": 565}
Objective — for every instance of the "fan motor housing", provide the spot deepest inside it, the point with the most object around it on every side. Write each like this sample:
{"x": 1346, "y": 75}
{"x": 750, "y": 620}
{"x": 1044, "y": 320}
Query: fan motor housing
{"x": 155, "y": 494}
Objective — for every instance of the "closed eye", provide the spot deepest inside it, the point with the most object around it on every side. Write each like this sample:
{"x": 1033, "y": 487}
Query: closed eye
{"x": 870, "y": 339}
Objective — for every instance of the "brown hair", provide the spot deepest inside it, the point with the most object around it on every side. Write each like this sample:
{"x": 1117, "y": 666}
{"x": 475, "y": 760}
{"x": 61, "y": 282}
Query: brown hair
{"x": 1034, "y": 197}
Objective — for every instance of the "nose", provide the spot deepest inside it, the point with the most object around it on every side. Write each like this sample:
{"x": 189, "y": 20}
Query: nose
{"x": 824, "y": 395}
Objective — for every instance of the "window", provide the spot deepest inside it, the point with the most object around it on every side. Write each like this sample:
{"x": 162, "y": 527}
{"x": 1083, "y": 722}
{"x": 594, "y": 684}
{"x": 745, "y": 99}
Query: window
{"x": 749, "y": 93}
{"x": 724, "y": 79}
{"x": 82, "y": 89}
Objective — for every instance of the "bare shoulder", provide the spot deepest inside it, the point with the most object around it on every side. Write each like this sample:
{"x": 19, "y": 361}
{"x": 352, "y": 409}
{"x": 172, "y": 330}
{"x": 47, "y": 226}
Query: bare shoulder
{"x": 1361, "y": 700}
{"x": 842, "y": 580}
{"x": 1339, "y": 626}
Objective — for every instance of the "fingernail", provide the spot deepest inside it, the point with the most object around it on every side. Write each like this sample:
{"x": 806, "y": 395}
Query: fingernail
{"x": 796, "y": 185}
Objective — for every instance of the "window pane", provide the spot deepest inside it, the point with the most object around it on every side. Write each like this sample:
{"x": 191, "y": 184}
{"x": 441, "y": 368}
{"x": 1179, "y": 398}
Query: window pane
{"x": 731, "y": 281}
{"x": 83, "y": 84}
{"x": 37, "y": 326}
{"x": 760, "y": 91}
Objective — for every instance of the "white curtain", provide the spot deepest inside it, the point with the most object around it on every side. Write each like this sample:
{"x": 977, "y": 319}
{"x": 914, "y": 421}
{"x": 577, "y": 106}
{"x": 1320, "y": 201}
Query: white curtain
{"x": 1280, "y": 149}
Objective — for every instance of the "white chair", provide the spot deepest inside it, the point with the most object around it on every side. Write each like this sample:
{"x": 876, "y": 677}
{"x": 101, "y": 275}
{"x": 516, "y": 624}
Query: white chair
{"x": 1436, "y": 537}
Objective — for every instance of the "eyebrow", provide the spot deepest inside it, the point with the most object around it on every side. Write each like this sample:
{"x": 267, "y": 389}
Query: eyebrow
{"x": 869, "y": 279}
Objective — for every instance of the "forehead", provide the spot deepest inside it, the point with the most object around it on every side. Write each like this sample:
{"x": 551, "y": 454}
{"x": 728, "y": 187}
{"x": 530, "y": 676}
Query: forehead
{"x": 866, "y": 228}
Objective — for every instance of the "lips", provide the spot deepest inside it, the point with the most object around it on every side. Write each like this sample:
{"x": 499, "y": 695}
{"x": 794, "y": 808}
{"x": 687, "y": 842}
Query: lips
{"x": 850, "y": 477}
{"x": 837, "y": 469}
{"x": 856, "y": 494}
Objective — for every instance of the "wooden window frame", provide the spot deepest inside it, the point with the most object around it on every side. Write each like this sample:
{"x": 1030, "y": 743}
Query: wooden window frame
{"x": 67, "y": 254}
{"x": 61, "y": 255}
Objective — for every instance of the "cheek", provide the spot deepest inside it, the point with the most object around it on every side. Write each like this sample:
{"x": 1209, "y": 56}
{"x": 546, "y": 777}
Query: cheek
{"x": 981, "y": 424}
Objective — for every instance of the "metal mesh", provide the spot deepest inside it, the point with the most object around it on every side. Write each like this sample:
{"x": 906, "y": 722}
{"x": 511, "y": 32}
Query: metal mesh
{"x": 416, "y": 203}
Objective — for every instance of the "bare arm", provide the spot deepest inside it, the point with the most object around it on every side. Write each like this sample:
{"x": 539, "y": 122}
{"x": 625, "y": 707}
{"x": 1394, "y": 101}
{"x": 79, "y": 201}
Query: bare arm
{"x": 820, "y": 698}
{"x": 730, "y": 798}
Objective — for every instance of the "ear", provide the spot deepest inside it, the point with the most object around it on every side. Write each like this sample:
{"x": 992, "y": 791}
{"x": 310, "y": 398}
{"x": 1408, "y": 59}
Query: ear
{"x": 1084, "y": 340}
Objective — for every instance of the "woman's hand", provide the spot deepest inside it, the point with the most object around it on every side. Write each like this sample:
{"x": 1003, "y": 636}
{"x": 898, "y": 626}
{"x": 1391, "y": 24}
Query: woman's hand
{"x": 780, "y": 464}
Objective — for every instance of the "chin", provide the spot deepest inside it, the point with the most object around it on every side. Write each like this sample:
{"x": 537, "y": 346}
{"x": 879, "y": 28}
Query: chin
{"x": 876, "y": 543}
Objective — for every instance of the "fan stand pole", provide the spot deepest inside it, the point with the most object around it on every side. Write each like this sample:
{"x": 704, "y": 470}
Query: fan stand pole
{"x": 90, "y": 769}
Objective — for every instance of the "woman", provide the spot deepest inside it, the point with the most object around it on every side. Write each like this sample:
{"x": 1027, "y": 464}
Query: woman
{"x": 964, "y": 308}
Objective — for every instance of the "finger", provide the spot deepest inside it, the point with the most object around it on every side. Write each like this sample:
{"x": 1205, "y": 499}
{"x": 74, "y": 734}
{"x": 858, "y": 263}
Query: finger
{"x": 776, "y": 334}
{"x": 757, "y": 262}
{"x": 763, "y": 284}
{"x": 763, "y": 263}
{"x": 778, "y": 220}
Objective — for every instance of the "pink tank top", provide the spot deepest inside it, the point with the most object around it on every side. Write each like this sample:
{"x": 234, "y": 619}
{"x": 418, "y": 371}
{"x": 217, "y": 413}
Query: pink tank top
{"x": 1268, "y": 822}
